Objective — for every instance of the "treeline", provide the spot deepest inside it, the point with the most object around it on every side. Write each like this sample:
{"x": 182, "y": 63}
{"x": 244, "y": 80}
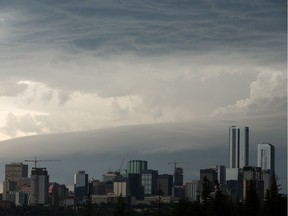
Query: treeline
{"x": 211, "y": 204}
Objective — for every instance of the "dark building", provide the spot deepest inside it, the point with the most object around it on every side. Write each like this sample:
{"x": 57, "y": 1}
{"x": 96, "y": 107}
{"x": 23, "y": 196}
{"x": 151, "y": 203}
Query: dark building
{"x": 211, "y": 176}
{"x": 134, "y": 184}
{"x": 178, "y": 182}
{"x": 165, "y": 184}
{"x": 81, "y": 187}
{"x": 149, "y": 179}
{"x": 136, "y": 166}
{"x": 54, "y": 196}
{"x": 135, "y": 188}
{"x": 252, "y": 177}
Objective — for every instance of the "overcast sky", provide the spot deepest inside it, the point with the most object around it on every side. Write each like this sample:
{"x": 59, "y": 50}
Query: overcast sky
{"x": 75, "y": 65}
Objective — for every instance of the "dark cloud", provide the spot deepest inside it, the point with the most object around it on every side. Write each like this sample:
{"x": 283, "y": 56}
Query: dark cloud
{"x": 149, "y": 26}
{"x": 176, "y": 59}
{"x": 200, "y": 144}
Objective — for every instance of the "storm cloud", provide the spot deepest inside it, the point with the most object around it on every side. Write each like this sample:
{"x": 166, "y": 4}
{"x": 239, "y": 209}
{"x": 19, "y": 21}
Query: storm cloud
{"x": 69, "y": 66}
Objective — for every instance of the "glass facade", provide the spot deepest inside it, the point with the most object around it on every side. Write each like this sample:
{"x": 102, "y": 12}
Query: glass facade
{"x": 136, "y": 166}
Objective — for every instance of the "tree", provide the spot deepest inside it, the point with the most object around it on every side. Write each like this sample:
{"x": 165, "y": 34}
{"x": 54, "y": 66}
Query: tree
{"x": 275, "y": 202}
{"x": 206, "y": 190}
{"x": 221, "y": 203}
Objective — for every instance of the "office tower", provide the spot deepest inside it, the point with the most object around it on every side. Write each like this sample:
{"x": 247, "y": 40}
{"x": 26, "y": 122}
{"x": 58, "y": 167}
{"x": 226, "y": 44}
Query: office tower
{"x": 234, "y": 182}
{"x": 135, "y": 188}
{"x": 165, "y": 184}
{"x": 266, "y": 157}
{"x": 134, "y": 170}
{"x": 211, "y": 176}
{"x": 178, "y": 182}
{"x": 266, "y": 160}
{"x": 80, "y": 184}
{"x": 238, "y": 147}
{"x": 252, "y": 177}
{"x": 39, "y": 186}
{"x": 221, "y": 175}
{"x": 15, "y": 176}
{"x": 192, "y": 190}
{"x": 149, "y": 180}
{"x": 16, "y": 171}
{"x": 136, "y": 166}
{"x": 53, "y": 192}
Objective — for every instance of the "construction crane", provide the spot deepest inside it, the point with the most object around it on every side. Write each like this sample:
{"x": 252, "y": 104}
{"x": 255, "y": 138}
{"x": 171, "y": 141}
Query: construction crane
{"x": 121, "y": 165}
{"x": 175, "y": 163}
{"x": 35, "y": 161}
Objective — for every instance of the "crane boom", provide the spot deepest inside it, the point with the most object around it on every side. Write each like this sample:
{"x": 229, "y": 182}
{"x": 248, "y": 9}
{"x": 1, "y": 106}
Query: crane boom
{"x": 175, "y": 163}
{"x": 121, "y": 164}
{"x": 36, "y": 161}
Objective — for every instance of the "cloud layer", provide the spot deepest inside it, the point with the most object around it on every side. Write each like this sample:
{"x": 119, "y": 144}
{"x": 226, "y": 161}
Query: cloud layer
{"x": 70, "y": 66}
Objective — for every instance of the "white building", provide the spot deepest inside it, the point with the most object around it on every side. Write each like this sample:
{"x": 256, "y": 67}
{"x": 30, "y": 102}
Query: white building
{"x": 120, "y": 188}
{"x": 192, "y": 190}
{"x": 238, "y": 147}
{"x": 266, "y": 157}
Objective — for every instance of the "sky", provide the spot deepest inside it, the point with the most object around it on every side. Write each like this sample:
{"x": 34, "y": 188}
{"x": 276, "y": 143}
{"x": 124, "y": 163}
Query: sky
{"x": 71, "y": 65}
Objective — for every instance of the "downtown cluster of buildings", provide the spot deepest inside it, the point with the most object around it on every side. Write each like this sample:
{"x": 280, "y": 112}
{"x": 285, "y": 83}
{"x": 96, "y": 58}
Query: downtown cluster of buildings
{"x": 139, "y": 184}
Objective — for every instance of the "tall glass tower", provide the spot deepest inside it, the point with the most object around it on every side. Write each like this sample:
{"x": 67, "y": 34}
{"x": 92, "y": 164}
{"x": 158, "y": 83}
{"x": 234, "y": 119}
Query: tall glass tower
{"x": 266, "y": 157}
{"x": 238, "y": 146}
{"x": 136, "y": 166}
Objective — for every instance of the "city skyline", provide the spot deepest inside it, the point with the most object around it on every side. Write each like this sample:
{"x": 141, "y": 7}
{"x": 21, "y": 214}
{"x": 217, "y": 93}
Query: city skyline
{"x": 139, "y": 181}
{"x": 93, "y": 82}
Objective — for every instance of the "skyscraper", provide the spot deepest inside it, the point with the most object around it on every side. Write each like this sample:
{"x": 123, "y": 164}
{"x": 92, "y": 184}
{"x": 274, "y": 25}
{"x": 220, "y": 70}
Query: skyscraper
{"x": 39, "y": 186}
{"x": 80, "y": 184}
{"x": 238, "y": 146}
{"x": 266, "y": 157}
{"x": 192, "y": 190}
{"x": 149, "y": 180}
{"x": 16, "y": 171}
{"x": 134, "y": 170}
{"x": 252, "y": 177}
{"x": 178, "y": 182}
{"x": 211, "y": 176}
{"x": 165, "y": 184}
{"x": 136, "y": 166}
{"x": 15, "y": 175}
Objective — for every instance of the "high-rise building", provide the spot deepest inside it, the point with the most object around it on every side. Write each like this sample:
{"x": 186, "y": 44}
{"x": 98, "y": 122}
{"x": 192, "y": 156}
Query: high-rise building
{"x": 149, "y": 180}
{"x": 39, "y": 186}
{"x": 192, "y": 190}
{"x": 234, "y": 183}
{"x": 16, "y": 171}
{"x": 136, "y": 166}
{"x": 266, "y": 157}
{"x": 134, "y": 185}
{"x": 178, "y": 182}
{"x": 238, "y": 147}
{"x": 135, "y": 188}
{"x": 211, "y": 176}
{"x": 165, "y": 184}
{"x": 80, "y": 184}
{"x": 15, "y": 176}
{"x": 252, "y": 177}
